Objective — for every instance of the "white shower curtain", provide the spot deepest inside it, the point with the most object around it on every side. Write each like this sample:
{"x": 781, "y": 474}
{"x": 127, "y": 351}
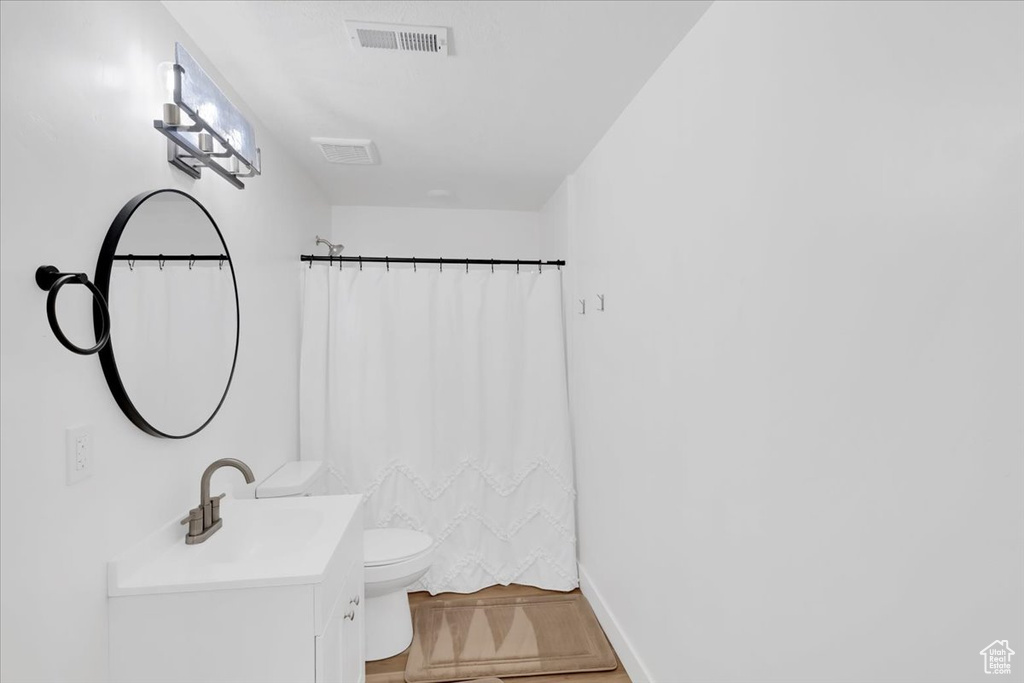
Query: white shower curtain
{"x": 441, "y": 396}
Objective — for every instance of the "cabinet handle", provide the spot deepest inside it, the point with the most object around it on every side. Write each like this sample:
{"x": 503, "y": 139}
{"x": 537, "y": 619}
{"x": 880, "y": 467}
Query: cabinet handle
{"x": 354, "y": 601}
{"x": 351, "y": 614}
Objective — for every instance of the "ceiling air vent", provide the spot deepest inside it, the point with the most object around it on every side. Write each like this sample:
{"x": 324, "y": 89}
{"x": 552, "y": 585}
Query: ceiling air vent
{"x": 366, "y": 35}
{"x": 360, "y": 152}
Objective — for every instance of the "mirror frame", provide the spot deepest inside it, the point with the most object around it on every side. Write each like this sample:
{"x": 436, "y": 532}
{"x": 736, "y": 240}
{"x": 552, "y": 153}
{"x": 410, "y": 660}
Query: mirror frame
{"x": 104, "y": 265}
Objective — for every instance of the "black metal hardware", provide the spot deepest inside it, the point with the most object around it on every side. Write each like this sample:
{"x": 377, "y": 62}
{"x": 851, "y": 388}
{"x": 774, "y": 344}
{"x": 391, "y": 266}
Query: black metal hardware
{"x": 50, "y": 279}
{"x": 311, "y": 258}
{"x": 131, "y": 258}
{"x": 104, "y": 266}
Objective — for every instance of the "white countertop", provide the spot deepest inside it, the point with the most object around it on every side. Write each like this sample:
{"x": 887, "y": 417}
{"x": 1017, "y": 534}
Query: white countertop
{"x": 263, "y": 542}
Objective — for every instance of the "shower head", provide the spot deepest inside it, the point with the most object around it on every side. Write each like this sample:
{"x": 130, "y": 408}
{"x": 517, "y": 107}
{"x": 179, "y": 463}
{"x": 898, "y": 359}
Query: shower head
{"x": 332, "y": 249}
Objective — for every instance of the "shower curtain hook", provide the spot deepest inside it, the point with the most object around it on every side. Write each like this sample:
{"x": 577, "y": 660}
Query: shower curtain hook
{"x": 160, "y": 261}
{"x": 492, "y": 265}
{"x": 131, "y": 262}
{"x": 330, "y": 260}
{"x": 387, "y": 263}
{"x": 517, "y": 266}
{"x": 559, "y": 267}
{"x": 440, "y": 265}
{"x": 467, "y": 266}
{"x": 540, "y": 267}
{"x": 191, "y": 260}
{"x": 220, "y": 263}
{"x": 341, "y": 263}
{"x": 310, "y": 261}
{"x": 414, "y": 264}
{"x": 360, "y": 263}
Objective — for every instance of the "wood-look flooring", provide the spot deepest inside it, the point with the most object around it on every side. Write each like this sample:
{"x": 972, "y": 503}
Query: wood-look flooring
{"x": 392, "y": 670}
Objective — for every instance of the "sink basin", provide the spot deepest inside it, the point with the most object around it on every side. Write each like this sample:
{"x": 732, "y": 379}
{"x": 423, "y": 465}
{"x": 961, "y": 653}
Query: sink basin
{"x": 263, "y": 542}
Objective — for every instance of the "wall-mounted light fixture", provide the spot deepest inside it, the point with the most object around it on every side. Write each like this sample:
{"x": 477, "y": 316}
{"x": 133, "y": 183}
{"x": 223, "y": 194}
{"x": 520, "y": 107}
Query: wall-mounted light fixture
{"x": 218, "y": 131}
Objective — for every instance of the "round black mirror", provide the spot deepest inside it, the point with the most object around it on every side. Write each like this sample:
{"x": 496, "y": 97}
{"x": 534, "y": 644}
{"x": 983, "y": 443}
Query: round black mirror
{"x": 170, "y": 288}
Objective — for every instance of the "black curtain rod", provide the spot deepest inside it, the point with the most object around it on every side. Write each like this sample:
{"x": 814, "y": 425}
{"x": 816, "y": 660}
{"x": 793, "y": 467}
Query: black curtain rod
{"x": 443, "y": 261}
{"x": 171, "y": 257}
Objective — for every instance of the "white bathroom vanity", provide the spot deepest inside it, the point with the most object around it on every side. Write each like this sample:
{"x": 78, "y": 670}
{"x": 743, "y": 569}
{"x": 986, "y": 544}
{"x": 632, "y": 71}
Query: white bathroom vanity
{"x": 275, "y": 595}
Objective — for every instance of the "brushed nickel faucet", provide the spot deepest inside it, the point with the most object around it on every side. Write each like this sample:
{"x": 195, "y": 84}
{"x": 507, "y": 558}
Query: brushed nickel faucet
{"x": 204, "y": 521}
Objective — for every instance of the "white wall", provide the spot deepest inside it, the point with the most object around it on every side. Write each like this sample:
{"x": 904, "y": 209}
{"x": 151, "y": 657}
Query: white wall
{"x": 79, "y": 93}
{"x": 798, "y": 423}
{"x": 433, "y": 233}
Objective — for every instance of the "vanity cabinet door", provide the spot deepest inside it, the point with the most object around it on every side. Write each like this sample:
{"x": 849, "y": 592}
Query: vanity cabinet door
{"x": 339, "y": 650}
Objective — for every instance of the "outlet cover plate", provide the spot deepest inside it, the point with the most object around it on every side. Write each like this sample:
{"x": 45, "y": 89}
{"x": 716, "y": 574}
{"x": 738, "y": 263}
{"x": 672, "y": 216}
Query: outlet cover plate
{"x": 79, "y": 450}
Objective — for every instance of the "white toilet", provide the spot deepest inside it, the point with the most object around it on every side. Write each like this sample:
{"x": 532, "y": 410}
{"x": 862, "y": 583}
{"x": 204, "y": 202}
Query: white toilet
{"x": 393, "y": 559}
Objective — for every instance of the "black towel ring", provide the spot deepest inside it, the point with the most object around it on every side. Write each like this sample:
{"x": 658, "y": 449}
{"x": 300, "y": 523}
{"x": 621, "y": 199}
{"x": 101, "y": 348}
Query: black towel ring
{"x": 49, "y": 278}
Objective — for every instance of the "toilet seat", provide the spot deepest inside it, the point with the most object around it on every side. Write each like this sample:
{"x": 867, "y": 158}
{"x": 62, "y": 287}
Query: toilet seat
{"x": 383, "y": 547}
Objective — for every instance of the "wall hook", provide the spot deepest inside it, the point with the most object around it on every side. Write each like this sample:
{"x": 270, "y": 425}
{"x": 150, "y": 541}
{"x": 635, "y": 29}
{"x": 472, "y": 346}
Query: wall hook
{"x": 600, "y": 299}
{"x": 583, "y": 306}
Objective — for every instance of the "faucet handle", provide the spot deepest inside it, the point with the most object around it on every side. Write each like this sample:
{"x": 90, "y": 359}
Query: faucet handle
{"x": 215, "y": 508}
{"x": 194, "y": 521}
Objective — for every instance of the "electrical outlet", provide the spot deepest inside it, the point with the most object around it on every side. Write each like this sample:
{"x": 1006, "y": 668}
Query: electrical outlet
{"x": 79, "y": 446}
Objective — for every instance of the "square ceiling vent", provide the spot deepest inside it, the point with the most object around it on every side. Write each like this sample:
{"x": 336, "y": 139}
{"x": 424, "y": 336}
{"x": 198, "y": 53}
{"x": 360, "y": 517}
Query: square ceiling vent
{"x": 357, "y": 152}
{"x": 430, "y": 40}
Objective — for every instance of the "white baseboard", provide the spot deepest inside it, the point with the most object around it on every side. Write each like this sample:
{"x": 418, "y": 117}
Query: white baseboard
{"x": 627, "y": 655}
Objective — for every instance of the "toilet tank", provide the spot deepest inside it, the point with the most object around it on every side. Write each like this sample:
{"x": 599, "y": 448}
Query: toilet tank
{"x": 298, "y": 478}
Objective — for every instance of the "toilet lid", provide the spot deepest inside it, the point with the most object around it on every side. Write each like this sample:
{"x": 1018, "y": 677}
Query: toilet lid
{"x": 390, "y": 546}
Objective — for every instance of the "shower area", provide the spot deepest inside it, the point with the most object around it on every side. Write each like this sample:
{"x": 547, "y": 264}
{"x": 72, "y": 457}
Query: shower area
{"x": 436, "y": 388}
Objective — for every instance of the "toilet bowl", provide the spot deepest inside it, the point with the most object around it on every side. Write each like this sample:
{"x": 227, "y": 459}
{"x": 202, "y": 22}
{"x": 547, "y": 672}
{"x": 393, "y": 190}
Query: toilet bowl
{"x": 393, "y": 559}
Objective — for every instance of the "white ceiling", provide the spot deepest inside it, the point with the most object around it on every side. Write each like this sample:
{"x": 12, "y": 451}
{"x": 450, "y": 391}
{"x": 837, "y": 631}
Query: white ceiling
{"x": 529, "y": 89}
